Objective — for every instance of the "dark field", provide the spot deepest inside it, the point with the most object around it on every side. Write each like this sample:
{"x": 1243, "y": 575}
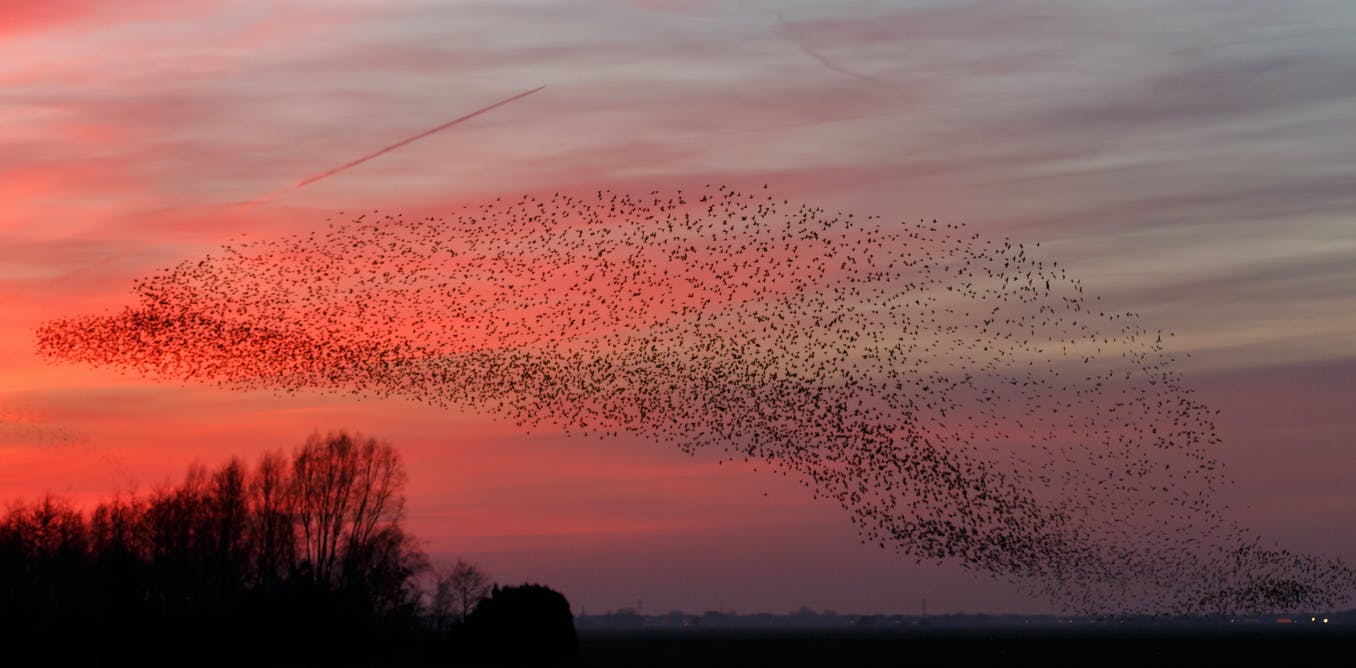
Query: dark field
{"x": 662, "y": 648}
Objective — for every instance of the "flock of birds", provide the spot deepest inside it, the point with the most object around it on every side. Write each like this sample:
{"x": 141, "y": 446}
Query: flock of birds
{"x": 23, "y": 432}
{"x": 25, "y": 428}
{"x": 960, "y": 398}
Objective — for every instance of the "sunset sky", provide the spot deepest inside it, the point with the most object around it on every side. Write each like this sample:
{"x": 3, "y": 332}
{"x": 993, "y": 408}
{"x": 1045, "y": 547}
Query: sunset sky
{"x": 1188, "y": 161}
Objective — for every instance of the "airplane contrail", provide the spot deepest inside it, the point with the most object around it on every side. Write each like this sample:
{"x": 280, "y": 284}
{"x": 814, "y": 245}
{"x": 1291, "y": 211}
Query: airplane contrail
{"x": 829, "y": 64}
{"x": 421, "y": 135}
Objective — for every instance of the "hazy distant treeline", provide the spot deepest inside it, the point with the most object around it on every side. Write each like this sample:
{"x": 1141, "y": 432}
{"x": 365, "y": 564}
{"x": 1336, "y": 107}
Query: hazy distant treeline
{"x": 286, "y": 550}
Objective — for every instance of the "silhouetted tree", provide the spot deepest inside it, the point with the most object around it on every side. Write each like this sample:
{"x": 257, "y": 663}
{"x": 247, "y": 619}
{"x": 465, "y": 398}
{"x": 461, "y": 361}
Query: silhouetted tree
{"x": 469, "y": 584}
{"x": 345, "y": 490}
{"x": 44, "y": 545}
{"x": 226, "y": 524}
{"x": 272, "y": 525}
{"x": 441, "y": 600}
{"x": 119, "y": 554}
{"x": 457, "y": 588}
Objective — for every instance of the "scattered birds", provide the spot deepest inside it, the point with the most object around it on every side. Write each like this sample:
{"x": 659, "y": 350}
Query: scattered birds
{"x": 960, "y": 398}
{"x": 24, "y": 428}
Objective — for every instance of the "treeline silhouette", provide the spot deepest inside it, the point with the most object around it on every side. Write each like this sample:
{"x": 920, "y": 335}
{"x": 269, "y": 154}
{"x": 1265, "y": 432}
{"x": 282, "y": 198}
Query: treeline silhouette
{"x": 296, "y": 560}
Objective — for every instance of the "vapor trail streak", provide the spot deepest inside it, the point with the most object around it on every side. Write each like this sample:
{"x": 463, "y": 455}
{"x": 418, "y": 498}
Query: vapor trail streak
{"x": 421, "y": 135}
{"x": 829, "y": 64}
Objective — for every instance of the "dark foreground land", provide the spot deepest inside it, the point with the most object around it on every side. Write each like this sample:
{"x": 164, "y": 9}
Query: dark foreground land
{"x": 662, "y": 648}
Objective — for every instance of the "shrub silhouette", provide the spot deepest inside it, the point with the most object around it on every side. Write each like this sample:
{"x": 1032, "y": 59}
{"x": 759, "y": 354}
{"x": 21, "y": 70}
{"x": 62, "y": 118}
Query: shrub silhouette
{"x": 529, "y": 624}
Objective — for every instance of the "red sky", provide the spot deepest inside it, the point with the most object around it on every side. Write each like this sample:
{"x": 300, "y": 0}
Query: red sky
{"x": 1191, "y": 170}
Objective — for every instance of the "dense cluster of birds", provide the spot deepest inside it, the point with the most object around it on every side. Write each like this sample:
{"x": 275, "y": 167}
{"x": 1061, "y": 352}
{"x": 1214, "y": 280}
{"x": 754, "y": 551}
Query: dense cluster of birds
{"x": 961, "y": 398}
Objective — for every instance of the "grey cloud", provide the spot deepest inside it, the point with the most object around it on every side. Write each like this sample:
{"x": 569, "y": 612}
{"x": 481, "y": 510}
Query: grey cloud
{"x": 1210, "y": 92}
